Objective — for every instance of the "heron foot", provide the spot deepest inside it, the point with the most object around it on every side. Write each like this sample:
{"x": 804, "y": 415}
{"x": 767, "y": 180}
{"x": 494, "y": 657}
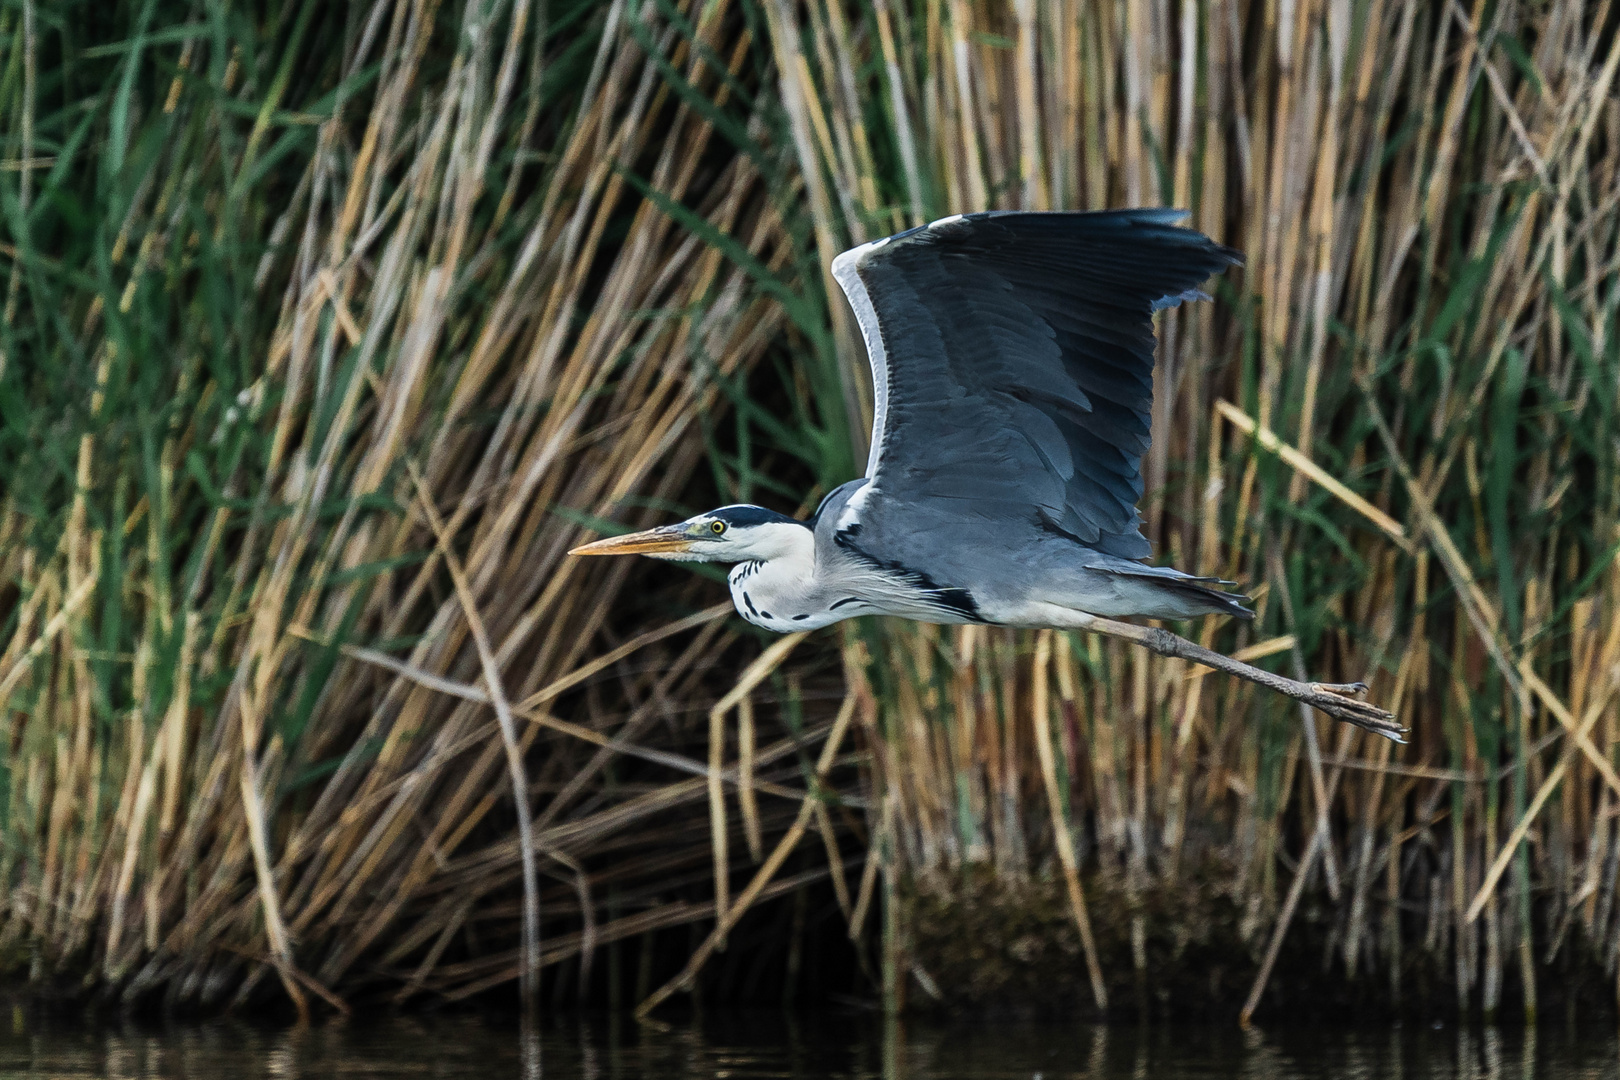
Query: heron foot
{"x": 1335, "y": 700}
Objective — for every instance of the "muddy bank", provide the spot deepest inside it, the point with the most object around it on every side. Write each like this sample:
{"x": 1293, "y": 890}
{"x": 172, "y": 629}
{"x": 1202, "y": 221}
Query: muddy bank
{"x": 986, "y": 945}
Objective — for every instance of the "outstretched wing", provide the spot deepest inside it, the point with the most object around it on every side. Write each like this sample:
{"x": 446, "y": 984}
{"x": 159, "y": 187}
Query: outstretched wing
{"x": 1012, "y": 359}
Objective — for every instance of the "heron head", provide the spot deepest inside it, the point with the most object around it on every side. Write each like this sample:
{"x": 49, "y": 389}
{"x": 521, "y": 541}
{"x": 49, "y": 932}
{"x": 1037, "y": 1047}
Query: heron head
{"x": 731, "y": 534}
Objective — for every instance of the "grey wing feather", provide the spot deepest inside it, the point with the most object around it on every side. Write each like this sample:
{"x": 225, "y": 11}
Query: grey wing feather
{"x": 1012, "y": 358}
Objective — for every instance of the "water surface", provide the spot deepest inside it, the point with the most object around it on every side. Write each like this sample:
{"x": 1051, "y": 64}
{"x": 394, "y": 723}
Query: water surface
{"x": 850, "y": 1047}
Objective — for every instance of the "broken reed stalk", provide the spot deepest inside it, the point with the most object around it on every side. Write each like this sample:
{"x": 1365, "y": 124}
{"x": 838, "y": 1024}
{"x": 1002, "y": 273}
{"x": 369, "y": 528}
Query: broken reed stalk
{"x": 767, "y": 662}
{"x": 542, "y": 259}
{"x": 726, "y": 919}
{"x": 528, "y": 980}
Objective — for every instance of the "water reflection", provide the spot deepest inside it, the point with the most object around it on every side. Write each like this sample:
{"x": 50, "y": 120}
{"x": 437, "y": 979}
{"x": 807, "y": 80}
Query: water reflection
{"x": 848, "y": 1047}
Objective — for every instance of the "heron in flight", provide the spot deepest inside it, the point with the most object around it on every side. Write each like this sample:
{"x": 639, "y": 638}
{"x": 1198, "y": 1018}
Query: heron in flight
{"x": 1012, "y": 364}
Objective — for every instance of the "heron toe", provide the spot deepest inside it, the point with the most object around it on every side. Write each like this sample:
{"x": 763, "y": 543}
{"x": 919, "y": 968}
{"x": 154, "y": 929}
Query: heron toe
{"x": 1348, "y": 688}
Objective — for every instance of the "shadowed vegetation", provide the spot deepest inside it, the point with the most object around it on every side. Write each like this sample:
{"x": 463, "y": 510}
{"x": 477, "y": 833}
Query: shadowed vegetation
{"x": 328, "y": 328}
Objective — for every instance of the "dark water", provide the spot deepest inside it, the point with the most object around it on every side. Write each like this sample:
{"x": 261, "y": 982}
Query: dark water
{"x": 827, "y": 1046}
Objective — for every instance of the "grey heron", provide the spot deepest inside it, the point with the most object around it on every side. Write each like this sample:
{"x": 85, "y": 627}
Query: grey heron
{"x": 1012, "y": 367}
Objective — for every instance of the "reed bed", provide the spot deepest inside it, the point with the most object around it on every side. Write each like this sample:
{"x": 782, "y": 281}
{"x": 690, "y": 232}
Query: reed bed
{"x": 329, "y": 328}
{"x": 368, "y": 317}
{"x": 1397, "y": 428}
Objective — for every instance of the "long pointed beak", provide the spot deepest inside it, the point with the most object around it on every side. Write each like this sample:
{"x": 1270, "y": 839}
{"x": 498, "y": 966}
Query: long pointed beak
{"x": 653, "y": 541}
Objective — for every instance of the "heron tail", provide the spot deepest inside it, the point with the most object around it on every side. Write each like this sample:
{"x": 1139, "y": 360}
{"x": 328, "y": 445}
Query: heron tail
{"x": 1215, "y": 601}
{"x": 1183, "y": 596}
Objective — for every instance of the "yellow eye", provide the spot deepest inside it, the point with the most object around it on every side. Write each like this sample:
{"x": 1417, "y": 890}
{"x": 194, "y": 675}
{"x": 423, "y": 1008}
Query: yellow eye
{"x": 717, "y": 527}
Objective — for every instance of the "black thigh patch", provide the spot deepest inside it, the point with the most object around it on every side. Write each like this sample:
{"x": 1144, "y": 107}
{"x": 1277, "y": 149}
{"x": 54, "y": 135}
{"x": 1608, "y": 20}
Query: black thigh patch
{"x": 960, "y": 601}
{"x": 953, "y": 599}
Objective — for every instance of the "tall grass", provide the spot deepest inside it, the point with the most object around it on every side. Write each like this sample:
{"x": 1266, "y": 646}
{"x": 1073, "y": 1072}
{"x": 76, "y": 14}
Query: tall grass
{"x": 329, "y": 328}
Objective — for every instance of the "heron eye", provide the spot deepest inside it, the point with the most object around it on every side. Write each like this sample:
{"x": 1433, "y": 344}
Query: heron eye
{"x": 717, "y": 527}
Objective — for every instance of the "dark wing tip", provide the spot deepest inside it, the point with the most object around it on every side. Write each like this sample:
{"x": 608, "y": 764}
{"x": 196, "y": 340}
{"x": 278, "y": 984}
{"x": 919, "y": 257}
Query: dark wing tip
{"x": 1158, "y": 228}
{"x": 1159, "y": 225}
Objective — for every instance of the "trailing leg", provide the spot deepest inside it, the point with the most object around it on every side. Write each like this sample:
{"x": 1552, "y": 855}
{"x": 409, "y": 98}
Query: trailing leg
{"x": 1331, "y": 698}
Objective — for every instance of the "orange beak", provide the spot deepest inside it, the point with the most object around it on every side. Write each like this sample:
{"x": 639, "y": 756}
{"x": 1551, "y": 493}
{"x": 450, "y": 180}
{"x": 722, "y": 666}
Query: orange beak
{"x": 665, "y": 538}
